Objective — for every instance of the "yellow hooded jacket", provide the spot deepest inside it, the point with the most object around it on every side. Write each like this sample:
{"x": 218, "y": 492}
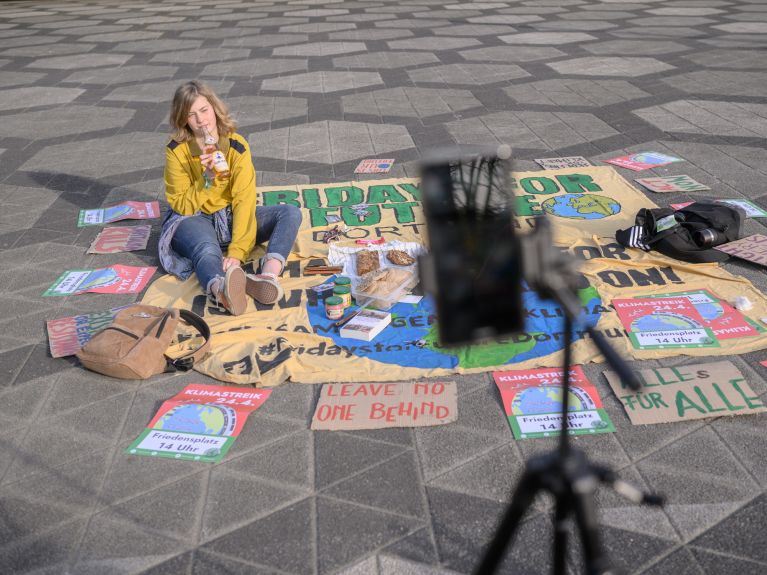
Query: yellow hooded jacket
{"x": 186, "y": 193}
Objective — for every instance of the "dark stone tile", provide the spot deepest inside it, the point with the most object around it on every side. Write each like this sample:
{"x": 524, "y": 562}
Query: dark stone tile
{"x": 464, "y": 525}
{"x": 715, "y": 563}
{"x": 359, "y": 454}
{"x": 346, "y": 533}
{"x": 418, "y": 546}
{"x": 274, "y": 540}
{"x": 393, "y": 486}
{"x": 742, "y": 534}
{"x": 680, "y": 562}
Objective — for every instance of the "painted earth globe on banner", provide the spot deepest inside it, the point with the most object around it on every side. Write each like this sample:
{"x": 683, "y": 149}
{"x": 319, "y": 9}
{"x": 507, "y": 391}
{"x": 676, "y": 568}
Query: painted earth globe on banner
{"x": 581, "y": 206}
{"x": 210, "y": 419}
{"x": 544, "y": 399}
{"x": 709, "y": 310}
{"x": 663, "y": 322}
{"x": 411, "y": 340}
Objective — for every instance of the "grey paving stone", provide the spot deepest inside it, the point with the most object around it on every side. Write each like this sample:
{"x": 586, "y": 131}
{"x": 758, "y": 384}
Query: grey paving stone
{"x": 708, "y": 117}
{"x": 264, "y": 40}
{"x": 129, "y": 36}
{"x": 42, "y": 50}
{"x": 155, "y": 46}
{"x": 633, "y": 47}
{"x": 474, "y": 74}
{"x": 511, "y": 54}
{"x": 611, "y": 66}
{"x": 575, "y": 92}
{"x": 127, "y": 152}
{"x": 21, "y": 98}
{"x": 123, "y": 74}
{"x": 680, "y": 561}
{"x": 52, "y": 123}
{"x": 385, "y": 60}
{"x": 348, "y": 140}
{"x": 432, "y": 44}
{"x": 726, "y": 59}
{"x": 47, "y": 553}
{"x": 279, "y": 536}
{"x": 254, "y": 67}
{"x": 722, "y": 485}
{"x": 409, "y": 102}
{"x": 716, "y": 563}
{"x": 367, "y": 34}
{"x": 392, "y": 486}
{"x": 347, "y": 532}
{"x": 286, "y": 461}
{"x": 463, "y": 525}
{"x": 546, "y": 38}
{"x": 367, "y": 453}
{"x": 318, "y": 28}
{"x": 322, "y": 82}
{"x": 505, "y": 19}
{"x": 111, "y": 544}
{"x": 418, "y": 546}
{"x": 225, "y": 508}
{"x": 719, "y": 82}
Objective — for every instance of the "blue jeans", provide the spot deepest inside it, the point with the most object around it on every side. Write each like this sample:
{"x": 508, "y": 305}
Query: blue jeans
{"x": 195, "y": 238}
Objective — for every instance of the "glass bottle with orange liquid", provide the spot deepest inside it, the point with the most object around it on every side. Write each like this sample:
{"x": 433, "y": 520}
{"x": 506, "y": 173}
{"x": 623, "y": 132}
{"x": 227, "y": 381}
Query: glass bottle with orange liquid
{"x": 210, "y": 146}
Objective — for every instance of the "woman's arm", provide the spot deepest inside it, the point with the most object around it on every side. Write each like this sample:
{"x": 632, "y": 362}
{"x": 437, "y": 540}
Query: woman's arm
{"x": 243, "y": 179}
{"x": 185, "y": 194}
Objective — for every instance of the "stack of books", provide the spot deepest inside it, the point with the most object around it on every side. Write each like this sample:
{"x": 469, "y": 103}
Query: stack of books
{"x": 366, "y": 324}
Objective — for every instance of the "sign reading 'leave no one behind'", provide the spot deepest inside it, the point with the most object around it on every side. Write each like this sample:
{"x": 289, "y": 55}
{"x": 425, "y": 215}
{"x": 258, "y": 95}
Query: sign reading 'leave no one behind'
{"x": 375, "y": 405}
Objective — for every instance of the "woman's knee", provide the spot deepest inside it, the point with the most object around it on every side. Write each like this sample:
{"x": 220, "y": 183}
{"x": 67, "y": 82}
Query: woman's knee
{"x": 292, "y": 214}
{"x": 206, "y": 248}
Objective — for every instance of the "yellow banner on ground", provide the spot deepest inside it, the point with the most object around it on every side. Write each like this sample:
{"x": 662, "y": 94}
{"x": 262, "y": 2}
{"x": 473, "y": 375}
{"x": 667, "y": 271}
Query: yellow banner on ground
{"x": 581, "y": 202}
{"x": 294, "y": 341}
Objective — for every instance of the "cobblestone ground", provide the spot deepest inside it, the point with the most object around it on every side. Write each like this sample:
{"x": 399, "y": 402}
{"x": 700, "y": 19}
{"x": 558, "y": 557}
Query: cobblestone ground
{"x": 317, "y": 86}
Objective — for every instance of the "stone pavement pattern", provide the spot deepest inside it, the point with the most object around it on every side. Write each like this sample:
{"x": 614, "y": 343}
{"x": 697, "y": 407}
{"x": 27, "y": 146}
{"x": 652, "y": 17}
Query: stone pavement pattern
{"x": 317, "y": 86}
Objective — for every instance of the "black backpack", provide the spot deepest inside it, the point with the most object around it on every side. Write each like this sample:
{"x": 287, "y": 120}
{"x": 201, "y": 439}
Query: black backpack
{"x": 688, "y": 234}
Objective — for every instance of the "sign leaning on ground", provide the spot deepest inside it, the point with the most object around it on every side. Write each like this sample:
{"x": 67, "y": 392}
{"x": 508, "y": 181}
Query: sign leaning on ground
{"x": 663, "y": 184}
{"x": 120, "y": 239}
{"x": 345, "y": 406}
{"x": 559, "y": 163}
{"x": 752, "y": 248}
{"x": 687, "y": 392}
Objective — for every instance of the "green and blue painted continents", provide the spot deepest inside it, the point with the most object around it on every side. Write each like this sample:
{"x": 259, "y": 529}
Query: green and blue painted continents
{"x": 581, "y": 206}
{"x": 548, "y": 399}
{"x": 209, "y": 419}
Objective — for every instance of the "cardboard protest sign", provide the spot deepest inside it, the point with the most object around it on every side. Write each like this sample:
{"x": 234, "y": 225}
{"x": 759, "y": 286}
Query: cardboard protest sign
{"x": 67, "y": 335}
{"x": 752, "y": 248}
{"x": 724, "y": 320}
{"x": 750, "y": 209}
{"x": 123, "y": 211}
{"x": 114, "y": 279}
{"x": 663, "y": 322}
{"x": 664, "y": 184}
{"x": 687, "y": 392}
{"x": 120, "y": 239}
{"x": 643, "y": 160}
{"x": 532, "y": 400}
{"x": 559, "y": 163}
{"x": 373, "y": 166}
{"x": 344, "y": 406}
{"x": 200, "y": 423}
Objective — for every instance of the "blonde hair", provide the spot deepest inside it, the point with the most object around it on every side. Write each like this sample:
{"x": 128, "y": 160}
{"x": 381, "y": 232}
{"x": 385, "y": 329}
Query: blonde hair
{"x": 182, "y": 102}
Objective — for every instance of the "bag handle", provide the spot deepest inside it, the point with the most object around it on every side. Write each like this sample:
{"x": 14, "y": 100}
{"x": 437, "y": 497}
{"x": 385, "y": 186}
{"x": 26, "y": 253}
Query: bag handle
{"x": 186, "y": 361}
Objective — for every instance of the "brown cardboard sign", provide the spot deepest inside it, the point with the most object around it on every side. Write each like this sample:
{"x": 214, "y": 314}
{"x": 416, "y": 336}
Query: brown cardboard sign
{"x": 687, "y": 392}
{"x": 345, "y": 406}
{"x": 752, "y": 248}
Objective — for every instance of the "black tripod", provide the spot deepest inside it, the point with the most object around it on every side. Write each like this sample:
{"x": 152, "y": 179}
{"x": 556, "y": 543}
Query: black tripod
{"x": 565, "y": 473}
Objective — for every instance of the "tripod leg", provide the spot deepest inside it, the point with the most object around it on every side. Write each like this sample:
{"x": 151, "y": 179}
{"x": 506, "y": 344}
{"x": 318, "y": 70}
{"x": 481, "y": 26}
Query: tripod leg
{"x": 522, "y": 498}
{"x": 560, "y": 536}
{"x": 585, "y": 507}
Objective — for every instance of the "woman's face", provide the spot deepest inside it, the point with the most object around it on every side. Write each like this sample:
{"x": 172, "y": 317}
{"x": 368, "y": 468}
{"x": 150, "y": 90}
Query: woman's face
{"x": 201, "y": 114}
